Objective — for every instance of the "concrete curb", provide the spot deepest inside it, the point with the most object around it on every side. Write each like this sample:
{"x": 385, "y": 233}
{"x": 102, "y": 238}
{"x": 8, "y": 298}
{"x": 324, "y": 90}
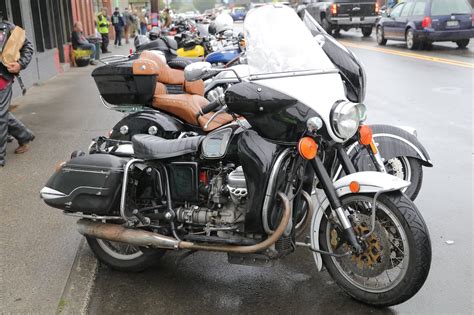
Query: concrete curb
{"x": 76, "y": 294}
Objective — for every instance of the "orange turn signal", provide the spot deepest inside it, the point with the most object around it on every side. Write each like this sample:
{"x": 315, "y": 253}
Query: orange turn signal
{"x": 365, "y": 135}
{"x": 354, "y": 187}
{"x": 308, "y": 148}
{"x": 59, "y": 166}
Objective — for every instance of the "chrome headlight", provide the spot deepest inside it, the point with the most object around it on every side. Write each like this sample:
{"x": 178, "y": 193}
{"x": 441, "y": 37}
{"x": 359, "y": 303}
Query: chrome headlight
{"x": 346, "y": 117}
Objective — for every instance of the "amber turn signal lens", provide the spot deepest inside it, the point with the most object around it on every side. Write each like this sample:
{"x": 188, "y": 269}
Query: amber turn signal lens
{"x": 365, "y": 135}
{"x": 308, "y": 148}
{"x": 354, "y": 187}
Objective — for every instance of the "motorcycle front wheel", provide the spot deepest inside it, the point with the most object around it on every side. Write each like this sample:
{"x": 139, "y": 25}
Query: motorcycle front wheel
{"x": 397, "y": 255}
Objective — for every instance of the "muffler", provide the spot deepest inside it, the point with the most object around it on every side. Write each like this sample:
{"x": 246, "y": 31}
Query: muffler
{"x": 118, "y": 233}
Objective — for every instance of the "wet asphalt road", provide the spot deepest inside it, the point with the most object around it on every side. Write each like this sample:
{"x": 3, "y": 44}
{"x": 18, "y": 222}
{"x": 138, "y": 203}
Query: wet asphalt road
{"x": 432, "y": 96}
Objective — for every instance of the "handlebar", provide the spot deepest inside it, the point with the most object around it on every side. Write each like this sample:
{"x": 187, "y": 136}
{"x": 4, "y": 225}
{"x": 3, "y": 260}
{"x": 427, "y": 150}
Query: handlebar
{"x": 210, "y": 107}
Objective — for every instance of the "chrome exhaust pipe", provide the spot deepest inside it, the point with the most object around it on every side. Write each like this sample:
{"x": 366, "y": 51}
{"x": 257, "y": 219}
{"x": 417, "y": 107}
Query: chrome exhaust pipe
{"x": 118, "y": 233}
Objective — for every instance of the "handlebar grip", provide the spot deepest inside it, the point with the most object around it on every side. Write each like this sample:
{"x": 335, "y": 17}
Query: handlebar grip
{"x": 210, "y": 107}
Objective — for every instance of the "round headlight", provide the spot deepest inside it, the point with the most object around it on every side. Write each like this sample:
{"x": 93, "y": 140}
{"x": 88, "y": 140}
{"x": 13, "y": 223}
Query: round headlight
{"x": 345, "y": 119}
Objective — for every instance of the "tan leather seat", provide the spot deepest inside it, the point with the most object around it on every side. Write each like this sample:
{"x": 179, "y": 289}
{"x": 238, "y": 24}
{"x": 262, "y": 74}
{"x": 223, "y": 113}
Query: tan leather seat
{"x": 186, "y": 107}
{"x": 168, "y": 75}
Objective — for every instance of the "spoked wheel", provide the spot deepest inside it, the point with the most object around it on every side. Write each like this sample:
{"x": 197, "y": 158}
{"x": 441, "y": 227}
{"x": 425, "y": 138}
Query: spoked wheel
{"x": 124, "y": 257}
{"x": 397, "y": 255}
{"x": 409, "y": 169}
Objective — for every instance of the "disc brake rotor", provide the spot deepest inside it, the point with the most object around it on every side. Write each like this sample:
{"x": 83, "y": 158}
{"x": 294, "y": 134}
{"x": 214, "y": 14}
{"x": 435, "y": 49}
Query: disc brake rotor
{"x": 376, "y": 256}
{"x": 395, "y": 167}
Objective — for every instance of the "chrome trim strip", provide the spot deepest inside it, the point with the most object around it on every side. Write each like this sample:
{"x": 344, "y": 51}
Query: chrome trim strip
{"x": 270, "y": 189}
{"x": 255, "y": 77}
{"x": 48, "y": 193}
{"x": 91, "y": 216}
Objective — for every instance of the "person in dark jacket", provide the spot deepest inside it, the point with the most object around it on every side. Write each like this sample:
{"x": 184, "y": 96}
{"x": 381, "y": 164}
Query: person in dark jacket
{"x": 118, "y": 23}
{"x": 79, "y": 41}
{"x": 8, "y": 123}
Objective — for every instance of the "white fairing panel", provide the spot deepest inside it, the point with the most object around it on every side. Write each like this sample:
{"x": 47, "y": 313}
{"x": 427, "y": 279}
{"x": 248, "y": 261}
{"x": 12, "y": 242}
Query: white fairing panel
{"x": 317, "y": 91}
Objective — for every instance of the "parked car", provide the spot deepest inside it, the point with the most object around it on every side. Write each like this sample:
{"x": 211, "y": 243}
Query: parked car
{"x": 337, "y": 15}
{"x": 238, "y": 13}
{"x": 420, "y": 22}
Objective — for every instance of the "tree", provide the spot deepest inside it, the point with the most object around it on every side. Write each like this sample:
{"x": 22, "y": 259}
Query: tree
{"x": 157, "y": 5}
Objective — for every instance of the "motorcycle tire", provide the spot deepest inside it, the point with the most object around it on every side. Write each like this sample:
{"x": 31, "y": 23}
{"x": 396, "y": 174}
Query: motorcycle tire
{"x": 413, "y": 234}
{"x": 412, "y": 172}
{"x": 139, "y": 260}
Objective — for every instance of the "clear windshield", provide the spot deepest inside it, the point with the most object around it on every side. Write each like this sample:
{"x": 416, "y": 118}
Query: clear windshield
{"x": 279, "y": 42}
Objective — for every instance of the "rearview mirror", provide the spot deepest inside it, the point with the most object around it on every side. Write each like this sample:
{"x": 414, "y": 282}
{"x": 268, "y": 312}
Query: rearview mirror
{"x": 197, "y": 70}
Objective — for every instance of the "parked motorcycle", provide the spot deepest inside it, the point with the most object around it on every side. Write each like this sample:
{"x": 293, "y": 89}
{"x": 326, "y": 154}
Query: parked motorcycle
{"x": 241, "y": 190}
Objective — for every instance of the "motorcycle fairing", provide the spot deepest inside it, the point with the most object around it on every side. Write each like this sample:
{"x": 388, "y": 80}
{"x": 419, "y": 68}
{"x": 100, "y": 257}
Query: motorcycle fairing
{"x": 274, "y": 115}
{"x": 257, "y": 157}
{"x": 222, "y": 56}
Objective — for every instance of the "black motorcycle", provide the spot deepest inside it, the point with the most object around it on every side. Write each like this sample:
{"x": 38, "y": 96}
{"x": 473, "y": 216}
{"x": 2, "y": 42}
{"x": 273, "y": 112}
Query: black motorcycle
{"x": 241, "y": 191}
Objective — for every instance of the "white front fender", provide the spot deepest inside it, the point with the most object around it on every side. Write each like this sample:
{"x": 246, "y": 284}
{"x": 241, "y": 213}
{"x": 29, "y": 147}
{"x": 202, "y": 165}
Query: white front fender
{"x": 370, "y": 182}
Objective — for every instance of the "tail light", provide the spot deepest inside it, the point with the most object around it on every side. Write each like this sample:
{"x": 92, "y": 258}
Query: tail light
{"x": 426, "y": 22}
{"x": 472, "y": 20}
{"x": 377, "y": 8}
{"x": 334, "y": 9}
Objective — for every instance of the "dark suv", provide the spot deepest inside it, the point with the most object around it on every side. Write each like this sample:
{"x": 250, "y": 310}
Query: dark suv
{"x": 427, "y": 21}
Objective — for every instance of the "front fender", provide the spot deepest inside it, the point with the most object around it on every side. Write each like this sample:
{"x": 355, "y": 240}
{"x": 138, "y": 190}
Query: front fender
{"x": 392, "y": 142}
{"x": 370, "y": 182}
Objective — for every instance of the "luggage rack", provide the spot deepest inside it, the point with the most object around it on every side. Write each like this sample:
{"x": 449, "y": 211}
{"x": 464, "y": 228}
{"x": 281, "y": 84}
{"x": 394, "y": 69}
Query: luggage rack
{"x": 113, "y": 58}
{"x": 132, "y": 108}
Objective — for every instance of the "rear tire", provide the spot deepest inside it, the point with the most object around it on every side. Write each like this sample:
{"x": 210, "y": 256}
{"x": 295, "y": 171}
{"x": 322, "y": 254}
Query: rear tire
{"x": 136, "y": 260}
{"x": 380, "y": 37}
{"x": 412, "y": 42}
{"x": 462, "y": 43}
{"x": 367, "y": 31}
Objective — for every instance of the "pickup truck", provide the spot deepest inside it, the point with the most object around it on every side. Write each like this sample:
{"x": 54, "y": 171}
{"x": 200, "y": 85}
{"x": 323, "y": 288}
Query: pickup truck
{"x": 340, "y": 15}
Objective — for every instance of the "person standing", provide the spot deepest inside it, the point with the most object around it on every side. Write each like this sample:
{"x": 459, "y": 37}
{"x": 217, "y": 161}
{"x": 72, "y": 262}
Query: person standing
{"x": 9, "y": 124}
{"x": 80, "y": 42}
{"x": 143, "y": 23}
{"x": 128, "y": 28}
{"x": 118, "y": 23}
{"x": 103, "y": 29}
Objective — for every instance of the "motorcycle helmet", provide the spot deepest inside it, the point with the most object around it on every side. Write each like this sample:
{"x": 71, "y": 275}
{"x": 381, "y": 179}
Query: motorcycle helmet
{"x": 224, "y": 22}
{"x": 140, "y": 40}
{"x": 154, "y": 33}
{"x": 212, "y": 28}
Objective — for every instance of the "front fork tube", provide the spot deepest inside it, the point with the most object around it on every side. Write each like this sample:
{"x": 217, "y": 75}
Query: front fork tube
{"x": 335, "y": 203}
{"x": 376, "y": 157}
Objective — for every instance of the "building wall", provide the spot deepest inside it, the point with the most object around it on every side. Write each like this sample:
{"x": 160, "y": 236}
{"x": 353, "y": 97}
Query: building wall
{"x": 48, "y": 25}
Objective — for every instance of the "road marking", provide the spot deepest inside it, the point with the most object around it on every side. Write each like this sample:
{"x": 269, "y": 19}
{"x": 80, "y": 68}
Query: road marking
{"x": 411, "y": 55}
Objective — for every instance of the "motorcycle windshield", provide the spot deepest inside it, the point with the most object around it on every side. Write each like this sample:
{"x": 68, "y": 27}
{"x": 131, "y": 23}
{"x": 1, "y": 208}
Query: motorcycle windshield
{"x": 342, "y": 58}
{"x": 279, "y": 42}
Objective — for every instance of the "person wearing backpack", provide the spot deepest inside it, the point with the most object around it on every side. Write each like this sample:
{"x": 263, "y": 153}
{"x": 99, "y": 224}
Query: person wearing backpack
{"x": 118, "y": 23}
{"x": 16, "y": 52}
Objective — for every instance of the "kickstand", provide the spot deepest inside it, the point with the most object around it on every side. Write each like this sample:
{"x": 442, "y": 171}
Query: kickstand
{"x": 184, "y": 256}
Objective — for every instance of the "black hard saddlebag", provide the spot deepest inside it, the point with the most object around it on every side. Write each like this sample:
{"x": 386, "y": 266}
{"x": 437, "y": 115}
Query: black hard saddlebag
{"x": 122, "y": 83}
{"x": 90, "y": 184}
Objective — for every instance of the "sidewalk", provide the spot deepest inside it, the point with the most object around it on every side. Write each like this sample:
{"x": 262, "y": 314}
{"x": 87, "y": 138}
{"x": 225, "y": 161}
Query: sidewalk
{"x": 38, "y": 244}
